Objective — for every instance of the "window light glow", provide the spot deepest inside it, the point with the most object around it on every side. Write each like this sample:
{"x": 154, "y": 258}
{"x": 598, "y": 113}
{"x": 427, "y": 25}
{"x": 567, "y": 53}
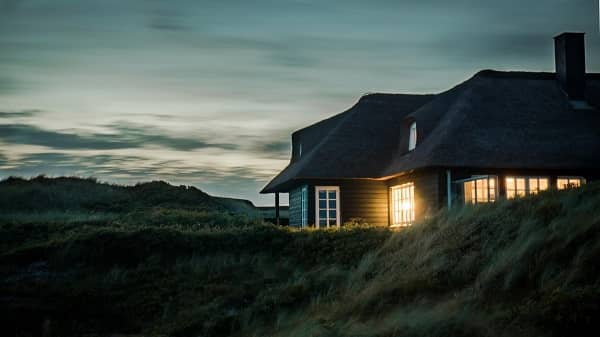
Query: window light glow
{"x": 522, "y": 186}
{"x": 403, "y": 204}
{"x": 569, "y": 182}
{"x": 480, "y": 190}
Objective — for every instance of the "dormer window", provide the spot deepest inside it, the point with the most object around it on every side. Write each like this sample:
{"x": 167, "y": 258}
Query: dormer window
{"x": 300, "y": 150}
{"x": 412, "y": 136}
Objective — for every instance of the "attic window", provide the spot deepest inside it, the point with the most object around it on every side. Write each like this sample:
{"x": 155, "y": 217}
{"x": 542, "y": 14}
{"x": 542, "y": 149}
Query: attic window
{"x": 412, "y": 136}
{"x": 300, "y": 150}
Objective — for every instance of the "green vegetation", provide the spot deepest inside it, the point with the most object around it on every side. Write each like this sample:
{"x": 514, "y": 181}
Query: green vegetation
{"x": 514, "y": 268}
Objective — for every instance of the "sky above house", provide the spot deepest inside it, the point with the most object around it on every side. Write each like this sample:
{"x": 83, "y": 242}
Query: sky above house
{"x": 207, "y": 93}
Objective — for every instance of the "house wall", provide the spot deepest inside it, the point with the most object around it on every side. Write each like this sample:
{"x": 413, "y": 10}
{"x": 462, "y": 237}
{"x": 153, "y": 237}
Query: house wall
{"x": 366, "y": 199}
{"x": 295, "y": 209}
{"x": 369, "y": 199}
{"x": 428, "y": 190}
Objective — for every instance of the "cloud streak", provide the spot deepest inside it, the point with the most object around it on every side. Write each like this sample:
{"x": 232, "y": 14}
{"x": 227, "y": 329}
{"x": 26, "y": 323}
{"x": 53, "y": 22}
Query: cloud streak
{"x": 121, "y": 137}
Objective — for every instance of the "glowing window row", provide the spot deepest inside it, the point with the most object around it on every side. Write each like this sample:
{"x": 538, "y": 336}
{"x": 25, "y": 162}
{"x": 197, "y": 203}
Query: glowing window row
{"x": 521, "y": 186}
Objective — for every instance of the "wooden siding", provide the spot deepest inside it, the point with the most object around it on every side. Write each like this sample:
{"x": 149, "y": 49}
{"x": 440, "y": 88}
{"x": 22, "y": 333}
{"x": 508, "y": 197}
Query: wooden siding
{"x": 365, "y": 199}
{"x": 369, "y": 199}
{"x": 427, "y": 190}
{"x": 295, "y": 210}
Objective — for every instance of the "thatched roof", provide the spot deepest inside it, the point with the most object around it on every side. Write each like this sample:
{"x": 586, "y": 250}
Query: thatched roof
{"x": 493, "y": 120}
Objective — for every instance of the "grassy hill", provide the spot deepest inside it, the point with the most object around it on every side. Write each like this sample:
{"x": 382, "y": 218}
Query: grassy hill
{"x": 528, "y": 267}
{"x": 72, "y": 199}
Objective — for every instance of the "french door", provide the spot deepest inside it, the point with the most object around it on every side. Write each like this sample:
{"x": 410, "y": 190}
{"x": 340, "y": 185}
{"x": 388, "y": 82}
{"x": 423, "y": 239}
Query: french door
{"x": 327, "y": 208}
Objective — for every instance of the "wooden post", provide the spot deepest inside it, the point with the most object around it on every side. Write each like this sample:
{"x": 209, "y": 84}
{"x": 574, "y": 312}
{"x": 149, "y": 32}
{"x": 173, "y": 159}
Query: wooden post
{"x": 277, "y": 207}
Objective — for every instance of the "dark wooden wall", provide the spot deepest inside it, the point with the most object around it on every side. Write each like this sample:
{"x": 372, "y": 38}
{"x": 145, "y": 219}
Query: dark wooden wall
{"x": 366, "y": 199}
{"x": 369, "y": 199}
{"x": 295, "y": 210}
{"x": 428, "y": 192}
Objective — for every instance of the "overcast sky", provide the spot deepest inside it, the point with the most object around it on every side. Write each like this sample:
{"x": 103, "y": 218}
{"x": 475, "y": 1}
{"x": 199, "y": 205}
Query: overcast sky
{"x": 206, "y": 93}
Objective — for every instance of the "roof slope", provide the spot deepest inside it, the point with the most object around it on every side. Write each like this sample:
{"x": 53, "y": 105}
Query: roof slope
{"x": 357, "y": 143}
{"x": 494, "y": 119}
{"x": 505, "y": 120}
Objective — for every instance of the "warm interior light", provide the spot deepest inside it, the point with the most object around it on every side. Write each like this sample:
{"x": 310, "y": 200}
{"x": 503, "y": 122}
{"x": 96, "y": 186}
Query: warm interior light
{"x": 403, "y": 204}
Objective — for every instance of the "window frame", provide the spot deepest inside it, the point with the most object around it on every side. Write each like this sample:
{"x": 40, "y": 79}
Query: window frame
{"x": 337, "y": 209}
{"x": 304, "y": 206}
{"x": 527, "y": 186}
{"x": 474, "y": 179}
{"x": 395, "y": 203}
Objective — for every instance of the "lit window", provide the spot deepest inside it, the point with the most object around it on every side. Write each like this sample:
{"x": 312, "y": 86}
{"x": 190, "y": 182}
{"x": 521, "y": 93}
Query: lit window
{"x": 328, "y": 206}
{"x": 412, "y": 137}
{"x": 304, "y": 206}
{"x": 521, "y": 186}
{"x": 480, "y": 190}
{"x": 569, "y": 182}
{"x": 537, "y": 184}
{"x": 403, "y": 204}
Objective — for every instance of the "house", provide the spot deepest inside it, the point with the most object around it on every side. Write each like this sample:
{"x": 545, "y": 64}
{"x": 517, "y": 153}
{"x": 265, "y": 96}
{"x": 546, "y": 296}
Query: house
{"x": 393, "y": 159}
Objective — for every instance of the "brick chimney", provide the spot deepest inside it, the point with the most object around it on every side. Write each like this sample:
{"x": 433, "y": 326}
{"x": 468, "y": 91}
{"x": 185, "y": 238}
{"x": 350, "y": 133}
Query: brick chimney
{"x": 569, "y": 52}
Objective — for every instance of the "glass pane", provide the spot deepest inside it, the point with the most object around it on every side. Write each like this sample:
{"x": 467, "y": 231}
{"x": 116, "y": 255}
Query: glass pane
{"x": 492, "y": 182}
{"x": 574, "y": 182}
{"x": 332, "y": 215}
{"x": 322, "y": 195}
{"x": 332, "y": 222}
{"x": 332, "y": 195}
{"x": 332, "y": 204}
{"x": 510, "y": 194}
{"x": 322, "y": 214}
{"x": 469, "y": 192}
{"x": 533, "y": 185}
{"x": 322, "y": 222}
{"x": 520, "y": 184}
{"x": 543, "y": 184}
{"x": 510, "y": 183}
{"x": 322, "y": 204}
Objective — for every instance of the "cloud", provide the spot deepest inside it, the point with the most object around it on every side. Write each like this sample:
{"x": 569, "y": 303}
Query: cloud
{"x": 122, "y": 137}
{"x": 274, "y": 149}
{"x": 19, "y": 113}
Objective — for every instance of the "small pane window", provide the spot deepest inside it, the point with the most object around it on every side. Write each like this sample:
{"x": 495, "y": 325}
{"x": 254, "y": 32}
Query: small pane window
{"x": 569, "y": 182}
{"x": 480, "y": 190}
{"x": 522, "y": 186}
{"x": 328, "y": 206}
{"x": 403, "y": 204}
{"x": 412, "y": 136}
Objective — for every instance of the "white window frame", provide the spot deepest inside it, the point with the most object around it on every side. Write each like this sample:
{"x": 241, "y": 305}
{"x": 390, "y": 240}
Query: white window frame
{"x": 410, "y": 186}
{"x": 527, "y": 187}
{"x": 338, "y": 204}
{"x": 581, "y": 181}
{"x": 490, "y": 197}
{"x": 412, "y": 136}
{"x": 304, "y": 207}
